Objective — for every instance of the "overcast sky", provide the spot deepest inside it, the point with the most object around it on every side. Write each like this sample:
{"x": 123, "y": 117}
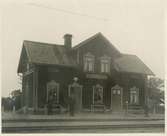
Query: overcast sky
{"x": 133, "y": 26}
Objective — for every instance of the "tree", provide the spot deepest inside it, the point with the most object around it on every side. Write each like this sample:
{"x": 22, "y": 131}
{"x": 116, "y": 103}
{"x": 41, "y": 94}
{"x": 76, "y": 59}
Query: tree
{"x": 155, "y": 82}
{"x": 156, "y": 92}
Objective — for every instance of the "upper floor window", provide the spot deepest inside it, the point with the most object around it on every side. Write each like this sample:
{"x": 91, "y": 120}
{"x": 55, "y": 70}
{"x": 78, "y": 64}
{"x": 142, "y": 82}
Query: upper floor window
{"x": 105, "y": 64}
{"x": 89, "y": 62}
{"x": 28, "y": 66}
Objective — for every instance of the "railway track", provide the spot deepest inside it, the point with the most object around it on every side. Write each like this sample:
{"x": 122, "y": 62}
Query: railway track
{"x": 80, "y": 125}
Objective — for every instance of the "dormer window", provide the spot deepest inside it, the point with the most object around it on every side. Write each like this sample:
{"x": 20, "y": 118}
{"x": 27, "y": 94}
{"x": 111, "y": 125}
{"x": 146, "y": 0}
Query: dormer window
{"x": 105, "y": 64}
{"x": 89, "y": 62}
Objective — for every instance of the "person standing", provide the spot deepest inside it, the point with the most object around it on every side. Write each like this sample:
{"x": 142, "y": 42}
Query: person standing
{"x": 71, "y": 105}
{"x": 146, "y": 110}
{"x": 49, "y": 105}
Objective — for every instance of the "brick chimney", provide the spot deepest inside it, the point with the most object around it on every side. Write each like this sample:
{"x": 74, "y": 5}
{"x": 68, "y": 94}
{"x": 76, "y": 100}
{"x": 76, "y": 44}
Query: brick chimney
{"x": 68, "y": 41}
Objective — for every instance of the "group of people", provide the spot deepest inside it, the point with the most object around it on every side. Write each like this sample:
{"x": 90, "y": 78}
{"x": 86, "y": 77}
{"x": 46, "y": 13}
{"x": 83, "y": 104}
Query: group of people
{"x": 52, "y": 101}
{"x": 10, "y": 104}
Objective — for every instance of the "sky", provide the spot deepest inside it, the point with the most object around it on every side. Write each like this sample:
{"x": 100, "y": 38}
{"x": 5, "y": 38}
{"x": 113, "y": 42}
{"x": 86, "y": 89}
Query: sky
{"x": 133, "y": 26}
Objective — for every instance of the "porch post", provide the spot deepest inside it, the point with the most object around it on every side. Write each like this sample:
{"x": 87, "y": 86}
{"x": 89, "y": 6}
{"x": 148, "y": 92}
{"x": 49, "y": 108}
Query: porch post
{"x": 25, "y": 110}
{"x": 34, "y": 90}
{"x": 145, "y": 90}
{"x": 27, "y": 92}
{"x": 23, "y": 92}
{"x": 35, "y": 81}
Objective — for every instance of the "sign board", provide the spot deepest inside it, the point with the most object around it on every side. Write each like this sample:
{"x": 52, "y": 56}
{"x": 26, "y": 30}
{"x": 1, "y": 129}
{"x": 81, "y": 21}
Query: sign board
{"x": 96, "y": 76}
{"x": 53, "y": 70}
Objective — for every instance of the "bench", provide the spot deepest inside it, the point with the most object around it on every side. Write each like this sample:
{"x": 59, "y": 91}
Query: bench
{"x": 98, "y": 108}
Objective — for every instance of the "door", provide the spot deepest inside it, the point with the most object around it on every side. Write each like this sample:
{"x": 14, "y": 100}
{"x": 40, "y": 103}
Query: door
{"x": 75, "y": 91}
{"x": 116, "y": 98}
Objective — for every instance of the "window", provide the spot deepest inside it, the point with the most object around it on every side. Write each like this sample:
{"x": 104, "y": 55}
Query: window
{"x": 89, "y": 62}
{"x": 97, "y": 94}
{"x": 134, "y": 95}
{"x": 28, "y": 67}
{"x": 105, "y": 64}
{"x": 117, "y": 92}
{"x": 53, "y": 91}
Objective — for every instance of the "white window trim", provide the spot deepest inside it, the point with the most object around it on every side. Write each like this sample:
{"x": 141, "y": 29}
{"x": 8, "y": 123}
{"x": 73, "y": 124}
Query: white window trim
{"x": 137, "y": 94}
{"x": 56, "y": 85}
{"x": 89, "y": 55}
{"x": 27, "y": 67}
{"x": 94, "y": 92}
{"x": 103, "y": 68}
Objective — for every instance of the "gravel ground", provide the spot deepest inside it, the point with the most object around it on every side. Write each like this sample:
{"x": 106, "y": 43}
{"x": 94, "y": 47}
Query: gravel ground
{"x": 90, "y": 115}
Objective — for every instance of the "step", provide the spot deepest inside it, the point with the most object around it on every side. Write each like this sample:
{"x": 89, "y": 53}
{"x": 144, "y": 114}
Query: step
{"x": 135, "y": 107}
{"x": 136, "y": 111}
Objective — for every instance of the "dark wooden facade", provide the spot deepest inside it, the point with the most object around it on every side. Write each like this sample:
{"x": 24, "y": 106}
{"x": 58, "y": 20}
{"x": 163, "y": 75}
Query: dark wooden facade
{"x": 37, "y": 75}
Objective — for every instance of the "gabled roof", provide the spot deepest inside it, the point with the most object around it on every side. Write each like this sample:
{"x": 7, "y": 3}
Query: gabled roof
{"x": 53, "y": 54}
{"x": 44, "y": 53}
{"x": 92, "y": 38}
{"x": 132, "y": 64}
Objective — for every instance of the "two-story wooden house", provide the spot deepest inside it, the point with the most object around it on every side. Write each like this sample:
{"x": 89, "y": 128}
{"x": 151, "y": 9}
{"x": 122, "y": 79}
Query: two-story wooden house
{"x": 106, "y": 78}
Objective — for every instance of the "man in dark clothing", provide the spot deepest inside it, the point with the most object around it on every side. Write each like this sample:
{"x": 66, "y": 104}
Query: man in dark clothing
{"x": 49, "y": 105}
{"x": 71, "y": 105}
{"x": 146, "y": 110}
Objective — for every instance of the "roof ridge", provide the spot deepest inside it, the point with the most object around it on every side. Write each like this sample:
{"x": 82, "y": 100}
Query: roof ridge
{"x": 128, "y": 54}
{"x": 87, "y": 40}
{"x": 92, "y": 38}
{"x": 42, "y": 43}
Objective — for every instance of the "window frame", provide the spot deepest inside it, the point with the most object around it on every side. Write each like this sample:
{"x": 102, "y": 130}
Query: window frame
{"x": 105, "y": 64}
{"x": 55, "y": 84}
{"x": 88, "y": 65}
{"x": 134, "y": 93}
{"x": 27, "y": 67}
{"x": 101, "y": 87}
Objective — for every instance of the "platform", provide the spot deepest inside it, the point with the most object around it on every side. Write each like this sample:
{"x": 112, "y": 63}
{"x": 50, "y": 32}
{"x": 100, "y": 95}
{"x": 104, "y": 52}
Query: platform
{"x": 85, "y": 122}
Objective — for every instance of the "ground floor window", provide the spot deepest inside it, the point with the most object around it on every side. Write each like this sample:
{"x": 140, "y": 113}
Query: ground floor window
{"x": 134, "y": 95}
{"x": 53, "y": 91}
{"x": 97, "y": 94}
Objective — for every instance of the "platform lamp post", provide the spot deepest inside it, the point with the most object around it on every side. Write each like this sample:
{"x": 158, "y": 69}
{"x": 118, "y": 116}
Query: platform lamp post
{"x": 127, "y": 106}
